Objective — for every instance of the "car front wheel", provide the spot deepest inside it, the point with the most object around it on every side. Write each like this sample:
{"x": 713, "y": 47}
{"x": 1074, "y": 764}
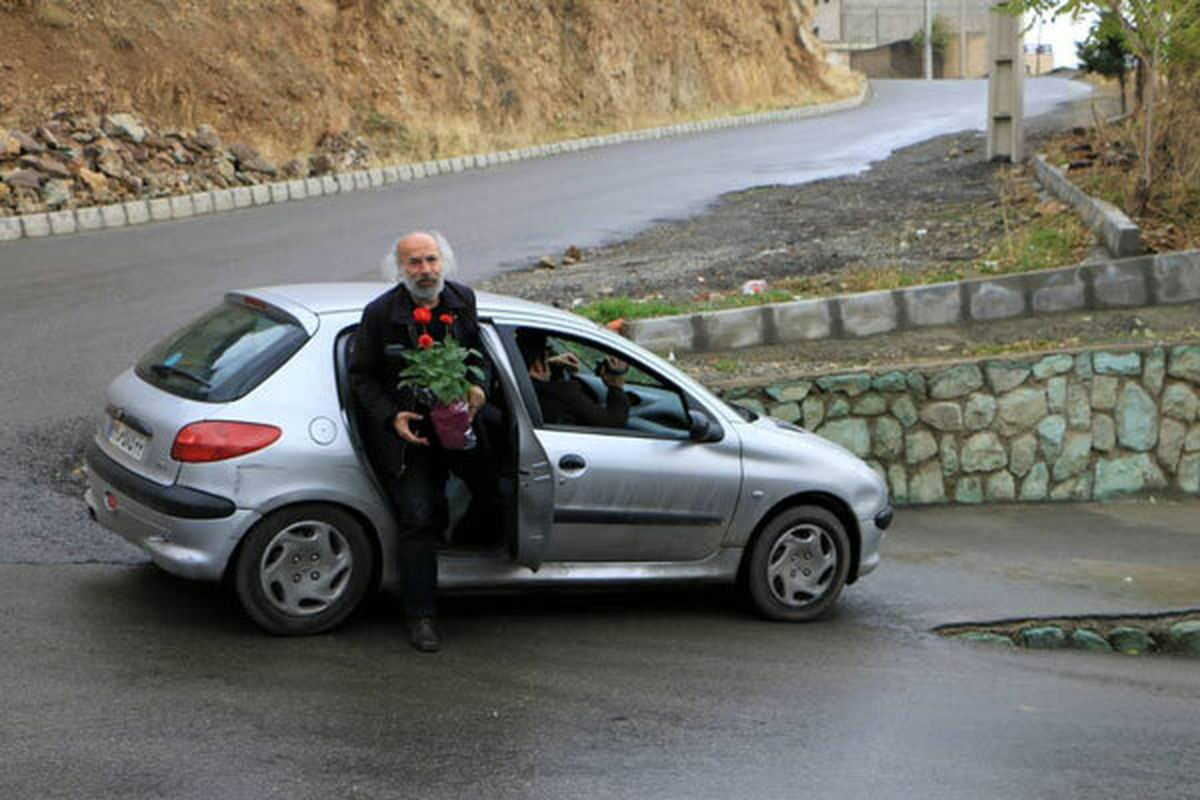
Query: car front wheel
{"x": 798, "y": 564}
{"x": 303, "y": 570}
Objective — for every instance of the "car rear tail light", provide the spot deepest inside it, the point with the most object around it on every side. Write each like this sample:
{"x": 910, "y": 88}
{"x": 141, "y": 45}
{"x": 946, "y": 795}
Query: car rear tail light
{"x": 215, "y": 441}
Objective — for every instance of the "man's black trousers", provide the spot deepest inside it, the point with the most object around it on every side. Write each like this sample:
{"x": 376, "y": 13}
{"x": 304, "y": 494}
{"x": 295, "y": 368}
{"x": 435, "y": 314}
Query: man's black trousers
{"x": 422, "y": 513}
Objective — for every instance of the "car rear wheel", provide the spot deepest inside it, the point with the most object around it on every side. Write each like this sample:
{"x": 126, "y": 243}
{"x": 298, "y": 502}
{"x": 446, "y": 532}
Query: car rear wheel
{"x": 798, "y": 564}
{"x": 303, "y": 570}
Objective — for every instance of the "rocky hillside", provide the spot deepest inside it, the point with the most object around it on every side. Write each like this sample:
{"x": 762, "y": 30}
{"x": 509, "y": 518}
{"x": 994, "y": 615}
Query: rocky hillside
{"x": 106, "y": 99}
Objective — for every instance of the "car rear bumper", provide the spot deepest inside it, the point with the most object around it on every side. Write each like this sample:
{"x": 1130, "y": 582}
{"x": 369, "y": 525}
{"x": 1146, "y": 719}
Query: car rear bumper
{"x": 186, "y": 532}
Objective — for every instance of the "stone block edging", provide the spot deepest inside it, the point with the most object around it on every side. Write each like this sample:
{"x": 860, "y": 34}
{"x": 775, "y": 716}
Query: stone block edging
{"x": 1161, "y": 279}
{"x": 1073, "y": 425}
{"x": 1121, "y": 235}
{"x": 137, "y": 212}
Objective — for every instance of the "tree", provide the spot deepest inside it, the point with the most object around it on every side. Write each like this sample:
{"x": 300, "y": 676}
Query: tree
{"x": 940, "y": 39}
{"x": 1154, "y": 31}
{"x": 1104, "y": 52}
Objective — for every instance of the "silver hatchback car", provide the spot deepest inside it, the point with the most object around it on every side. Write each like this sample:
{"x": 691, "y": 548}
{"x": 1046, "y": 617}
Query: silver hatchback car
{"x": 233, "y": 450}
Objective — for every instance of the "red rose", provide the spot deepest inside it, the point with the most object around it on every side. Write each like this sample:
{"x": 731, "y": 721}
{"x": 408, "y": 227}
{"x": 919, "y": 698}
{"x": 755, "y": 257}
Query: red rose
{"x": 446, "y": 319}
{"x": 422, "y": 315}
{"x": 424, "y": 341}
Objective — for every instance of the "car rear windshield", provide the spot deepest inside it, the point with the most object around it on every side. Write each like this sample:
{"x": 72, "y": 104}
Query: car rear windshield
{"x": 224, "y": 354}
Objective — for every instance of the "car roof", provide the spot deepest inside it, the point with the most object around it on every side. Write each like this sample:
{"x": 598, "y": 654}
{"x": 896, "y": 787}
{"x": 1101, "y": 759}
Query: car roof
{"x": 332, "y": 298}
{"x": 353, "y": 297}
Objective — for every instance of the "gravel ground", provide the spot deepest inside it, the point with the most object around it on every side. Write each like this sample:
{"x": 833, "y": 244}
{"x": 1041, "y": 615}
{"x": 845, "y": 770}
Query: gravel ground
{"x": 942, "y": 188}
{"x": 774, "y": 232}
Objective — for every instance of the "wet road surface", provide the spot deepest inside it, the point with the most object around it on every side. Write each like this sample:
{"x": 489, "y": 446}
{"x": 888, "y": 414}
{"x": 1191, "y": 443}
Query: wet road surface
{"x": 121, "y": 681}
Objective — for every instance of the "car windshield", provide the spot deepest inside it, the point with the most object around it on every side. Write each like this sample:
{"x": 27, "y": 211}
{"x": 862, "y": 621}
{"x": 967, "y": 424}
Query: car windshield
{"x": 224, "y": 354}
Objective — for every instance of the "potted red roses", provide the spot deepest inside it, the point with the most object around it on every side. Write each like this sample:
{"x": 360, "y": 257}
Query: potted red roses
{"x": 441, "y": 372}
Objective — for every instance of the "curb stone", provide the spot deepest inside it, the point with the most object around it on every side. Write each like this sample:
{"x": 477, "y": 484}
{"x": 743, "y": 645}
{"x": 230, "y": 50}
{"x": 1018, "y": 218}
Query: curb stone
{"x": 1121, "y": 235}
{"x": 1162, "y": 279}
{"x": 181, "y": 207}
{"x": 160, "y": 208}
{"x": 202, "y": 203}
{"x": 89, "y": 219}
{"x": 62, "y": 222}
{"x": 136, "y": 212}
{"x": 114, "y": 215}
{"x": 241, "y": 197}
{"x": 35, "y": 225}
{"x": 10, "y": 229}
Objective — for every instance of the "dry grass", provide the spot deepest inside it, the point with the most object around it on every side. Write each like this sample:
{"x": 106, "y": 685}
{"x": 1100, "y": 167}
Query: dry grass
{"x": 53, "y": 14}
{"x": 1037, "y": 235}
{"x": 1171, "y": 217}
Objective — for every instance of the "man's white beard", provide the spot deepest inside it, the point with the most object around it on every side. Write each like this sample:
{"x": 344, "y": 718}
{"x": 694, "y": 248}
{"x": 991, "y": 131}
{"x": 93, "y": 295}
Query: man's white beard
{"x": 423, "y": 294}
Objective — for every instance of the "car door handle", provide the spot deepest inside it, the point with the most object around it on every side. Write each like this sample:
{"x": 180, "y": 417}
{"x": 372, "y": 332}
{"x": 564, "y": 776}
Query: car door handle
{"x": 572, "y": 461}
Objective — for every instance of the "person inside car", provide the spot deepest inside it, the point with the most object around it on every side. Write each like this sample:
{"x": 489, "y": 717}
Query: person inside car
{"x": 567, "y": 400}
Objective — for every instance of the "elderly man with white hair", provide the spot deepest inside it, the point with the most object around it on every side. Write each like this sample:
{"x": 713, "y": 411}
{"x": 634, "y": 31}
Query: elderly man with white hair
{"x": 424, "y": 307}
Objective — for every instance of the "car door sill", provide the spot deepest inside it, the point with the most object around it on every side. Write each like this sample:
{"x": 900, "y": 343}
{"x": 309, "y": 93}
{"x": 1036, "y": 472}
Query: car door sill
{"x": 475, "y": 571}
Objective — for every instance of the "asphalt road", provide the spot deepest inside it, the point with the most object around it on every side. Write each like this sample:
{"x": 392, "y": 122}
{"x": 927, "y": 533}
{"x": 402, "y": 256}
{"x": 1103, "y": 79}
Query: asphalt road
{"x": 122, "y": 682}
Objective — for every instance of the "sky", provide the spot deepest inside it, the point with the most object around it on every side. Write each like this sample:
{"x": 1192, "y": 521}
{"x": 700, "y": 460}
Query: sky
{"x": 1062, "y": 33}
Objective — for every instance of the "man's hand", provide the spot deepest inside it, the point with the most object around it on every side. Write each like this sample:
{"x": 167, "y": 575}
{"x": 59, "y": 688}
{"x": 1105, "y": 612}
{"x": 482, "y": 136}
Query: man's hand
{"x": 402, "y": 423}
{"x": 614, "y": 372}
{"x": 565, "y": 359}
{"x": 475, "y": 400}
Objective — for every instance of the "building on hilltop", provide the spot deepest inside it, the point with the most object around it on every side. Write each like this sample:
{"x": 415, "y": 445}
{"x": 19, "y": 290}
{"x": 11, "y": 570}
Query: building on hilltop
{"x": 875, "y": 37}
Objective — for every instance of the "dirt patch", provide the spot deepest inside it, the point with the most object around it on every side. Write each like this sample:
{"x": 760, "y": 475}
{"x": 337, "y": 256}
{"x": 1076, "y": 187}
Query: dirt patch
{"x": 417, "y": 78}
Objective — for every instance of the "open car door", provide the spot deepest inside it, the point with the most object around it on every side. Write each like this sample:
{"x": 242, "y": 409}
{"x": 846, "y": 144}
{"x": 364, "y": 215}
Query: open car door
{"x": 535, "y": 478}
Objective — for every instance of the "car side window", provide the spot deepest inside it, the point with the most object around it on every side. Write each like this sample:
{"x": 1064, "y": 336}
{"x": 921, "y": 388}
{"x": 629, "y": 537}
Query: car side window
{"x": 574, "y": 386}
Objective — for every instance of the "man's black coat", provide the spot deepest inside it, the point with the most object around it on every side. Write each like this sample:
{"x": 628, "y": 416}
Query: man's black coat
{"x": 388, "y": 330}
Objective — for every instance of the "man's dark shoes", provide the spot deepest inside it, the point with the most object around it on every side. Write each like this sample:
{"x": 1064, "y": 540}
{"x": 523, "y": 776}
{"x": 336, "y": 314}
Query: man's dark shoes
{"x": 422, "y": 634}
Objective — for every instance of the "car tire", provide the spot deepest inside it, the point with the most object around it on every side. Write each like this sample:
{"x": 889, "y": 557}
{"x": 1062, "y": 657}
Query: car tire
{"x": 798, "y": 565}
{"x": 303, "y": 569}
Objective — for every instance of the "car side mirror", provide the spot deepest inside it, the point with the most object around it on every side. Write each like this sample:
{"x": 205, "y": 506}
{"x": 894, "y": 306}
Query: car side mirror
{"x": 702, "y": 427}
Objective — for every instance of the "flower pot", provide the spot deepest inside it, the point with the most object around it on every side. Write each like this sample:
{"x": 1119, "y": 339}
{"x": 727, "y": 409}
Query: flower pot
{"x": 452, "y": 424}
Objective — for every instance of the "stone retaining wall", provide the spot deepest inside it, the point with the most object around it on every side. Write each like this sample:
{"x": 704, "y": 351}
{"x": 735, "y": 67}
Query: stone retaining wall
{"x": 136, "y": 212}
{"x": 1146, "y": 280}
{"x": 1085, "y": 425}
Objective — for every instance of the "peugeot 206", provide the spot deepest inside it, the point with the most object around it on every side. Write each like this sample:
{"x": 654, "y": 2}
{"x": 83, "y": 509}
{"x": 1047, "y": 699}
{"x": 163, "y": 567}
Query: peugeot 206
{"x": 233, "y": 450}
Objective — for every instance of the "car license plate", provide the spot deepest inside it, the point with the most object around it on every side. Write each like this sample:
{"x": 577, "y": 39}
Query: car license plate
{"x": 126, "y": 439}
